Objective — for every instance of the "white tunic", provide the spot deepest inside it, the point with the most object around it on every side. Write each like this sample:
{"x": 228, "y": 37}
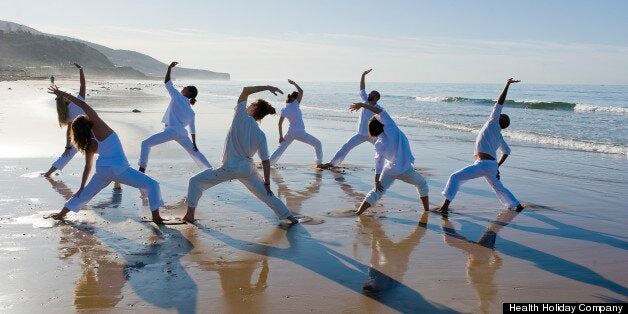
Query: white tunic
{"x": 74, "y": 110}
{"x": 179, "y": 113}
{"x": 292, "y": 112}
{"x": 393, "y": 155}
{"x": 490, "y": 137}
{"x": 365, "y": 116}
{"x": 111, "y": 153}
{"x": 245, "y": 138}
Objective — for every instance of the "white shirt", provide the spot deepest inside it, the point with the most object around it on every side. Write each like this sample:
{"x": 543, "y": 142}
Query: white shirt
{"x": 490, "y": 137}
{"x": 111, "y": 153}
{"x": 393, "y": 155}
{"x": 365, "y": 116}
{"x": 74, "y": 110}
{"x": 292, "y": 112}
{"x": 245, "y": 138}
{"x": 179, "y": 113}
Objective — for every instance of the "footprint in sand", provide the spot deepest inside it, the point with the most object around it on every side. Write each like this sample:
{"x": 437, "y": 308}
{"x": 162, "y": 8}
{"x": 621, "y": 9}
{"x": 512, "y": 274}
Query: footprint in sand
{"x": 345, "y": 212}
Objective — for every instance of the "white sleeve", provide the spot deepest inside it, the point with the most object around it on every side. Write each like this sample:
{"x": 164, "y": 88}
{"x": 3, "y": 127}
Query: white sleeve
{"x": 503, "y": 146}
{"x": 379, "y": 163}
{"x": 192, "y": 126}
{"x": 387, "y": 121}
{"x": 262, "y": 150}
{"x": 363, "y": 95}
{"x": 497, "y": 110}
{"x": 174, "y": 93}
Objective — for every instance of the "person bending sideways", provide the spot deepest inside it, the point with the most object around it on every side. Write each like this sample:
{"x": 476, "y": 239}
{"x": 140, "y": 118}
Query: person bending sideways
{"x": 486, "y": 144}
{"x": 296, "y": 131}
{"x": 178, "y": 116}
{"x": 244, "y": 139}
{"x": 363, "y": 133}
{"x": 393, "y": 158}
{"x": 91, "y": 135}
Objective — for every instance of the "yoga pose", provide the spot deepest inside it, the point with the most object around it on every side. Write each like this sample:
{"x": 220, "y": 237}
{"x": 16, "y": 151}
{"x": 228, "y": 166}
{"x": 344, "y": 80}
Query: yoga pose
{"x": 486, "y": 144}
{"x": 178, "y": 116}
{"x": 363, "y": 133}
{"x": 296, "y": 131}
{"x": 91, "y": 135}
{"x": 393, "y": 158}
{"x": 245, "y": 138}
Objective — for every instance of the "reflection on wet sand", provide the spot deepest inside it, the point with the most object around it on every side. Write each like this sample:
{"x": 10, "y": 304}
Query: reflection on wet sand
{"x": 483, "y": 262}
{"x": 296, "y": 198}
{"x": 242, "y": 291}
{"x": 153, "y": 268}
{"x": 389, "y": 259}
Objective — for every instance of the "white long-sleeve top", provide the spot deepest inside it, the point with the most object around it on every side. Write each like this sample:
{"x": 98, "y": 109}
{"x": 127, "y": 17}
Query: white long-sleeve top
{"x": 490, "y": 137}
{"x": 245, "y": 138}
{"x": 179, "y": 113}
{"x": 393, "y": 155}
{"x": 292, "y": 112}
{"x": 365, "y": 116}
{"x": 74, "y": 110}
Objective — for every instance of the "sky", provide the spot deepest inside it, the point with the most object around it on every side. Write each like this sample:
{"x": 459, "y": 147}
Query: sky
{"x": 559, "y": 42}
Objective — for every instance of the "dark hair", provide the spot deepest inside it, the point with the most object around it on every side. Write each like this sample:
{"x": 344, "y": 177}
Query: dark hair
{"x": 375, "y": 127}
{"x": 292, "y": 96}
{"x": 82, "y": 133}
{"x": 194, "y": 92}
{"x": 259, "y": 109}
{"x": 504, "y": 121}
{"x": 376, "y": 93}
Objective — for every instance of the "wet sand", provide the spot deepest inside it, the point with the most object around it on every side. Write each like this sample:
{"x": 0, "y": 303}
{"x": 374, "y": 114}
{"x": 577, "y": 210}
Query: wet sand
{"x": 568, "y": 245}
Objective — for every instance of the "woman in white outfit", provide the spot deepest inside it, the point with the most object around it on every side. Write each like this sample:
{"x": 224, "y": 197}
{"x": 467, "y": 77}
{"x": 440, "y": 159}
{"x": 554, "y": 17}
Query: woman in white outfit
{"x": 245, "y": 139}
{"x": 363, "y": 133}
{"x": 91, "y": 135}
{"x": 486, "y": 144}
{"x": 393, "y": 158}
{"x": 296, "y": 131}
{"x": 178, "y": 116}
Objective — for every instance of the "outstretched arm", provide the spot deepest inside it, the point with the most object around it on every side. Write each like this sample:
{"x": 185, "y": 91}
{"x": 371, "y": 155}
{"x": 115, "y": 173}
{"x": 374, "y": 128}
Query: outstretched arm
{"x": 358, "y": 105}
{"x": 101, "y": 129}
{"x": 83, "y": 88}
{"x": 502, "y": 159}
{"x": 362, "y": 79}
{"x": 89, "y": 157}
{"x": 298, "y": 90}
{"x": 281, "y": 130}
{"x": 502, "y": 97}
{"x": 172, "y": 65}
{"x": 250, "y": 90}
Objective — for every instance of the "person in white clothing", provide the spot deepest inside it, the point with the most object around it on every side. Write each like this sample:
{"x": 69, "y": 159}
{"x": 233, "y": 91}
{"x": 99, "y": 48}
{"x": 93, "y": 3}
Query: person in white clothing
{"x": 296, "y": 131}
{"x": 244, "y": 139}
{"x": 178, "y": 116}
{"x": 365, "y": 117}
{"x": 486, "y": 144}
{"x": 91, "y": 135}
{"x": 393, "y": 159}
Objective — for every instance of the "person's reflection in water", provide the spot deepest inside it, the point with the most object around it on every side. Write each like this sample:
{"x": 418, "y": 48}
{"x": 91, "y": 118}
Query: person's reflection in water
{"x": 296, "y": 198}
{"x": 241, "y": 290}
{"x": 389, "y": 259}
{"x": 100, "y": 285}
{"x": 483, "y": 261}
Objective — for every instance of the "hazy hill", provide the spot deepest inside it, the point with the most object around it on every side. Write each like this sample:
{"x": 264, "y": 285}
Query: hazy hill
{"x": 23, "y": 46}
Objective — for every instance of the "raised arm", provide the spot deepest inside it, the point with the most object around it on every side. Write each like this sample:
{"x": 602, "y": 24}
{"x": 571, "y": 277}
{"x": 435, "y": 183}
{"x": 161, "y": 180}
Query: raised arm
{"x": 359, "y": 105}
{"x": 299, "y": 89}
{"x": 250, "y": 90}
{"x": 362, "y": 79}
{"x": 502, "y": 97}
{"x": 101, "y": 129}
{"x": 172, "y": 65}
{"x": 281, "y": 139}
{"x": 83, "y": 88}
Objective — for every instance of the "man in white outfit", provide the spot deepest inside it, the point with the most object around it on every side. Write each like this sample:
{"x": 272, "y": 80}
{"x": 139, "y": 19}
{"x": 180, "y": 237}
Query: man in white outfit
{"x": 178, "y": 116}
{"x": 393, "y": 159}
{"x": 296, "y": 131}
{"x": 245, "y": 139}
{"x": 486, "y": 144}
{"x": 363, "y": 133}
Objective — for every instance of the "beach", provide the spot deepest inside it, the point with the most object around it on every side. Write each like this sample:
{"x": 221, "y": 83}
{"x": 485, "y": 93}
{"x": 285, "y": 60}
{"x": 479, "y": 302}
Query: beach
{"x": 568, "y": 167}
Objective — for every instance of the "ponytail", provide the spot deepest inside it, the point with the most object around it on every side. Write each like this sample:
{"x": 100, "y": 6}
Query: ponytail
{"x": 192, "y": 101}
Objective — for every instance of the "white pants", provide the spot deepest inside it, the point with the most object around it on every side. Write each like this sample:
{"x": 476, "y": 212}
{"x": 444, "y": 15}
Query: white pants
{"x": 300, "y": 136}
{"x": 480, "y": 168}
{"x": 245, "y": 173}
{"x": 347, "y": 147}
{"x": 126, "y": 175}
{"x": 409, "y": 176}
{"x": 64, "y": 160}
{"x": 172, "y": 134}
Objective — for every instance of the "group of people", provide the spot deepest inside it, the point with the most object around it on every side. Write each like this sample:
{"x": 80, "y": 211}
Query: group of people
{"x": 89, "y": 134}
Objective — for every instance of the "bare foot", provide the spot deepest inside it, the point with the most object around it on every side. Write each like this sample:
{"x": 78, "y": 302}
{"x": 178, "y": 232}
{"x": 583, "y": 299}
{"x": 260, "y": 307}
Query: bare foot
{"x": 157, "y": 218}
{"x": 519, "y": 208}
{"x": 188, "y": 218}
{"x": 328, "y": 165}
{"x": 142, "y": 169}
{"x": 57, "y": 216}
{"x": 323, "y": 166}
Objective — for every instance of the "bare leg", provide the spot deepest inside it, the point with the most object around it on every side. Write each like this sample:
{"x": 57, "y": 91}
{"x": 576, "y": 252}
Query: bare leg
{"x": 156, "y": 217}
{"x": 142, "y": 169}
{"x": 60, "y": 215}
{"x": 50, "y": 172}
{"x": 426, "y": 203}
{"x": 189, "y": 215}
{"x": 444, "y": 209}
{"x": 365, "y": 205}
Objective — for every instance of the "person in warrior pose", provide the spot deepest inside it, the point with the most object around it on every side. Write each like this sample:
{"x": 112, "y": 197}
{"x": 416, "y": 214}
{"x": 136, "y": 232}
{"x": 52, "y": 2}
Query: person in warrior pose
{"x": 178, "y": 116}
{"x": 244, "y": 139}
{"x": 393, "y": 158}
{"x": 486, "y": 165}
{"x": 365, "y": 116}
{"x": 296, "y": 131}
{"x": 91, "y": 135}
